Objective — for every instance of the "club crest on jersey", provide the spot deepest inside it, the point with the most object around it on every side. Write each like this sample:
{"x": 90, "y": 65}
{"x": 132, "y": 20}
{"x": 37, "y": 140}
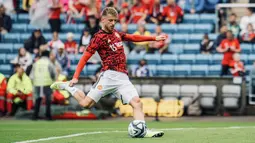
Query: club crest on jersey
{"x": 117, "y": 35}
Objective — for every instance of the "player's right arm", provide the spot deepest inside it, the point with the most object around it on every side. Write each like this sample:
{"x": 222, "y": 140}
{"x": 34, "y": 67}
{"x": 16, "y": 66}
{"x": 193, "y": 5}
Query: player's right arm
{"x": 91, "y": 49}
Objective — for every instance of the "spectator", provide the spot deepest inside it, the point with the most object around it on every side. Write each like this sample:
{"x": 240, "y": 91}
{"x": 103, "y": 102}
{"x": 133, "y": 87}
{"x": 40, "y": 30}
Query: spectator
{"x": 237, "y": 66}
{"x": 233, "y": 25}
{"x": 141, "y": 47}
{"x": 19, "y": 91}
{"x": 54, "y": 17}
{"x": 42, "y": 82}
{"x": 76, "y": 9}
{"x": 39, "y": 14}
{"x": 160, "y": 46}
{"x": 245, "y": 20}
{"x": 3, "y": 86}
{"x": 24, "y": 59}
{"x": 71, "y": 47}
{"x": 138, "y": 12}
{"x": 142, "y": 70}
{"x": 125, "y": 13}
{"x": 222, "y": 36}
{"x": 228, "y": 47}
{"x": 172, "y": 12}
{"x": 155, "y": 13}
{"x": 8, "y": 4}
{"x": 62, "y": 58}
{"x": 249, "y": 37}
{"x": 55, "y": 63}
{"x": 206, "y": 46}
{"x": 84, "y": 40}
{"x": 34, "y": 42}
{"x": 5, "y": 21}
{"x": 54, "y": 42}
{"x": 26, "y": 4}
{"x": 92, "y": 24}
{"x": 210, "y": 5}
{"x": 194, "y": 6}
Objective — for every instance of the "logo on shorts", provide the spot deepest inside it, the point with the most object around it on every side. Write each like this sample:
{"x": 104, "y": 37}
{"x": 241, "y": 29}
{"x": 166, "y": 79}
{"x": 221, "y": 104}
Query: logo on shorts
{"x": 99, "y": 87}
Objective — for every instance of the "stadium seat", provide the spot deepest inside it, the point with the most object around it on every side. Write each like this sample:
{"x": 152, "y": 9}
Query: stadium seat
{"x": 169, "y": 28}
{"x": 207, "y": 18}
{"x": 244, "y": 58}
{"x": 68, "y": 27}
{"x": 199, "y": 70}
{"x": 167, "y": 59}
{"x": 152, "y": 69}
{"x": 6, "y": 48}
{"x": 246, "y": 48}
{"x": 19, "y": 27}
{"x": 188, "y": 93}
{"x": 11, "y": 38}
{"x": 251, "y": 58}
{"x": 72, "y": 58}
{"x": 248, "y": 68}
{"x": 73, "y": 68}
{"x": 132, "y": 28}
{"x": 152, "y": 59}
{"x": 134, "y": 59}
{"x": 16, "y": 47}
{"x": 191, "y": 18}
{"x": 214, "y": 70}
{"x": 24, "y": 37}
{"x": 47, "y": 36}
{"x": 195, "y": 38}
{"x": 5, "y": 69}
{"x": 203, "y": 59}
{"x": 30, "y": 28}
{"x": 23, "y": 18}
{"x": 150, "y": 90}
{"x": 150, "y": 27}
{"x": 118, "y": 26}
{"x": 80, "y": 28}
{"x": 175, "y": 48}
{"x": 170, "y": 92}
{"x": 132, "y": 68}
{"x": 191, "y": 49}
{"x": 10, "y": 57}
{"x": 180, "y": 38}
{"x": 63, "y": 18}
{"x": 231, "y": 95}
{"x": 213, "y": 36}
{"x": 77, "y": 58}
{"x": 164, "y": 70}
{"x": 181, "y": 70}
{"x": 91, "y": 69}
{"x": 185, "y": 28}
{"x": 2, "y": 58}
{"x": 186, "y": 58}
{"x": 207, "y": 95}
{"x": 217, "y": 58}
{"x": 203, "y": 28}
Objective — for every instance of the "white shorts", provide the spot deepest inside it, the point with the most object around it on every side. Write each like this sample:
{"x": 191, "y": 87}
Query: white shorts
{"x": 113, "y": 82}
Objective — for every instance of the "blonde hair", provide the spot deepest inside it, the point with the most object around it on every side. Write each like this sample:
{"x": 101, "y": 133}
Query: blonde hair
{"x": 109, "y": 10}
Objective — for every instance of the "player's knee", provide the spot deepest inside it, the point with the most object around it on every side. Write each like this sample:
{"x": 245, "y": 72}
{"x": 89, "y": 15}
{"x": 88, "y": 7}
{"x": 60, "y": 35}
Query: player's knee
{"x": 136, "y": 103}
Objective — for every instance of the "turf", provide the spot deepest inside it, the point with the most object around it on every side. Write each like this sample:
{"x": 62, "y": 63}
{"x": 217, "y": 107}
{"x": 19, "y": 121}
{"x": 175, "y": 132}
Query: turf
{"x": 188, "y": 132}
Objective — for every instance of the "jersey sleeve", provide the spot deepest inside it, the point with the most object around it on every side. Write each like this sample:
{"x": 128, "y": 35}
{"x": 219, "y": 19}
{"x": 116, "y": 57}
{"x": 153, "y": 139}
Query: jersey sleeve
{"x": 94, "y": 45}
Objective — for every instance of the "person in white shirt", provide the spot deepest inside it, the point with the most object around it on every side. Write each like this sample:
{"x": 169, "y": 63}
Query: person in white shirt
{"x": 84, "y": 40}
{"x": 53, "y": 44}
{"x": 24, "y": 59}
{"x": 142, "y": 70}
{"x": 245, "y": 20}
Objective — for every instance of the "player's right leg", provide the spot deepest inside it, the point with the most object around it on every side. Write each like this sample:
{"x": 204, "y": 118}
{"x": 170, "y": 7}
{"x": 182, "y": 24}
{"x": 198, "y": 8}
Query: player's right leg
{"x": 83, "y": 100}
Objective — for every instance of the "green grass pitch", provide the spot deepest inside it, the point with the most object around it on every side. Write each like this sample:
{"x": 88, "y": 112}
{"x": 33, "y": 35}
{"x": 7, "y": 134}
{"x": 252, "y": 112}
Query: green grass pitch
{"x": 115, "y": 131}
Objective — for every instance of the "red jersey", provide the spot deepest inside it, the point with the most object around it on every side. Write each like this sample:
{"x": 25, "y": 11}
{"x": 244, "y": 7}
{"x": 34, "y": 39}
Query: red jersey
{"x": 55, "y": 13}
{"x": 138, "y": 12}
{"x": 110, "y": 48}
{"x": 70, "y": 47}
{"x": 3, "y": 86}
{"x": 236, "y": 67}
{"x": 228, "y": 55}
{"x": 247, "y": 36}
{"x": 172, "y": 12}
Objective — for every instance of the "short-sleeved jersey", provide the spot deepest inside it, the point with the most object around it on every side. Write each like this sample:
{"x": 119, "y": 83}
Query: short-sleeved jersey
{"x": 228, "y": 55}
{"x": 110, "y": 48}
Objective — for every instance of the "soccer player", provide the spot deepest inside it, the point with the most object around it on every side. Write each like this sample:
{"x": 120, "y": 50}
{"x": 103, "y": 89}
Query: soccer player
{"x": 113, "y": 78}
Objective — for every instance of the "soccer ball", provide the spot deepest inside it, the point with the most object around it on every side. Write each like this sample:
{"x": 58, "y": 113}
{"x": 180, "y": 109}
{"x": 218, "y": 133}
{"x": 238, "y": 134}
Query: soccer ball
{"x": 137, "y": 129}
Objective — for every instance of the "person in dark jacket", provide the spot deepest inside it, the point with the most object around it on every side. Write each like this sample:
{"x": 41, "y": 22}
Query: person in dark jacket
{"x": 222, "y": 36}
{"x": 5, "y": 21}
{"x": 93, "y": 25}
{"x": 34, "y": 42}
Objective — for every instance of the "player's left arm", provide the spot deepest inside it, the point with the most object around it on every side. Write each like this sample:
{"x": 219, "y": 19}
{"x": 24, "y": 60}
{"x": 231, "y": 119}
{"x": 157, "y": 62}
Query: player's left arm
{"x": 141, "y": 38}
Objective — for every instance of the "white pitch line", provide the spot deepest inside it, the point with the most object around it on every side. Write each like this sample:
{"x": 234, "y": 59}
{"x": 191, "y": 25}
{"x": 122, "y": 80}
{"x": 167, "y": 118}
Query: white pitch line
{"x": 103, "y": 132}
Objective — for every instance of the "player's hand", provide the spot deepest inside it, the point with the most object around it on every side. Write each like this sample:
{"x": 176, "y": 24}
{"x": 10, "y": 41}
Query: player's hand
{"x": 73, "y": 81}
{"x": 161, "y": 38}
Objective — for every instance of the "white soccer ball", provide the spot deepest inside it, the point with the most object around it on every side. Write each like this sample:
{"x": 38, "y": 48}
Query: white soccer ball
{"x": 137, "y": 129}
